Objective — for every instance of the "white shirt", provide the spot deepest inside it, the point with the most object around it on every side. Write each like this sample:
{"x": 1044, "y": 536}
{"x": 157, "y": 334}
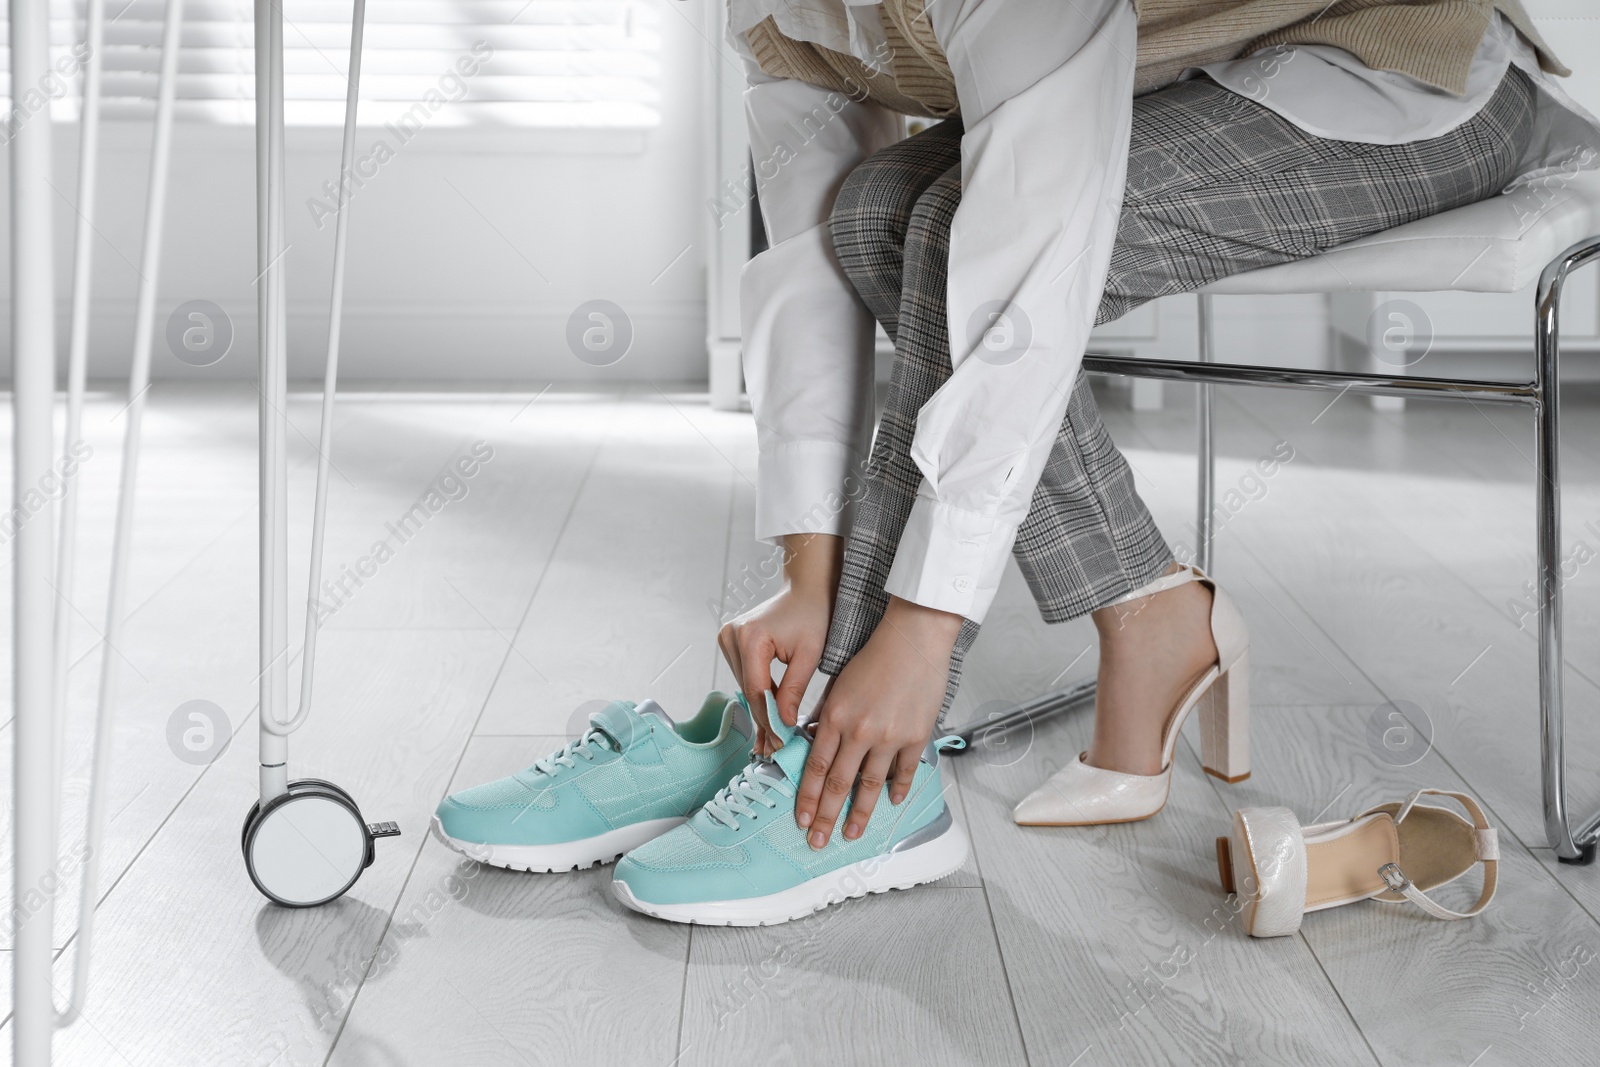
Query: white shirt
{"x": 1047, "y": 105}
{"x": 1330, "y": 93}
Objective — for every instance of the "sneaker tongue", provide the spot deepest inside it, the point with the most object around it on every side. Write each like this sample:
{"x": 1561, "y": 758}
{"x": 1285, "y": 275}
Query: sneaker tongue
{"x": 792, "y": 756}
{"x": 621, "y": 723}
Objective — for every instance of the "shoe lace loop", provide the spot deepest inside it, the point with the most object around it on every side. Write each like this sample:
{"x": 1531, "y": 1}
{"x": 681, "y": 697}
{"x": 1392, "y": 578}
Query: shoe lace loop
{"x": 740, "y": 797}
{"x": 585, "y": 748}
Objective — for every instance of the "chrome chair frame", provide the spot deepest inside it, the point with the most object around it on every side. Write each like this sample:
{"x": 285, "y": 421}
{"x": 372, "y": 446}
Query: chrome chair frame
{"x": 1542, "y": 395}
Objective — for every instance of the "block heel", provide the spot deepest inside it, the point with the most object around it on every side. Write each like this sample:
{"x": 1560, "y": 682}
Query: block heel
{"x": 1225, "y": 724}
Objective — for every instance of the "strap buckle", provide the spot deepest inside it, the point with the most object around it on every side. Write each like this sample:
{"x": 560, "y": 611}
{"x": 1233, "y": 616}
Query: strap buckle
{"x": 1394, "y": 877}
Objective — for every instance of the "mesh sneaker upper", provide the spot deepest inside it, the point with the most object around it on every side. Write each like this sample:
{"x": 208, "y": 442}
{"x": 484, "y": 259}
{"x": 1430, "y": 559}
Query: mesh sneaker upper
{"x": 766, "y": 851}
{"x": 622, "y": 790}
{"x": 505, "y": 792}
{"x": 628, "y": 768}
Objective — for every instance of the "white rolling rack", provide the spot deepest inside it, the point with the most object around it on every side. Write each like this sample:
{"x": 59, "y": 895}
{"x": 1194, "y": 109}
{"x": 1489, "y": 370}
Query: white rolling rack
{"x": 304, "y": 841}
{"x": 41, "y": 612}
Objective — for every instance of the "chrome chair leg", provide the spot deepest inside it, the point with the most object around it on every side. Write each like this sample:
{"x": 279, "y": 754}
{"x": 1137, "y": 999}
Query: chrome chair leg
{"x": 1543, "y": 394}
{"x": 987, "y": 731}
{"x": 1570, "y": 847}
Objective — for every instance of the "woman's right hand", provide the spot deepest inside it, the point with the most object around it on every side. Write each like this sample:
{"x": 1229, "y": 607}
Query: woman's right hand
{"x": 792, "y": 628}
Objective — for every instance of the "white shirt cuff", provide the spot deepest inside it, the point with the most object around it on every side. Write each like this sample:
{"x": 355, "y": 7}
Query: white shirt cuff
{"x": 950, "y": 559}
{"x": 806, "y": 487}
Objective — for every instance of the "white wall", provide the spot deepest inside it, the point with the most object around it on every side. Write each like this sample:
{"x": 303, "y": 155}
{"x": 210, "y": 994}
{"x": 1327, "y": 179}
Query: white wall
{"x": 435, "y": 289}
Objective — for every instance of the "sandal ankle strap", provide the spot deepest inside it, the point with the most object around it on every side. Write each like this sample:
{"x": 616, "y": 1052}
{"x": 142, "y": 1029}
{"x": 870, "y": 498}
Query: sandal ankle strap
{"x": 1396, "y": 880}
{"x": 1486, "y": 843}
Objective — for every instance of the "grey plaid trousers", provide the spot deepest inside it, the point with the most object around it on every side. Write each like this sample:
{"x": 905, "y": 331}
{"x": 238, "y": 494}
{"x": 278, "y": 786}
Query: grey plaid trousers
{"x": 1217, "y": 185}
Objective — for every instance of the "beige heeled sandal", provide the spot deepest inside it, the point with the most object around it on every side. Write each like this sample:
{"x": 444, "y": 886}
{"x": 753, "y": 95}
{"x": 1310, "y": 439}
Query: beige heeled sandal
{"x": 1083, "y": 795}
{"x": 1392, "y": 853}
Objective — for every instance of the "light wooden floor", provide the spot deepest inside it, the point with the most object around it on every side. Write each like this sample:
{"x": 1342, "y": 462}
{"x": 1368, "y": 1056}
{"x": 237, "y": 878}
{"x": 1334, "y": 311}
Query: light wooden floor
{"x": 590, "y": 558}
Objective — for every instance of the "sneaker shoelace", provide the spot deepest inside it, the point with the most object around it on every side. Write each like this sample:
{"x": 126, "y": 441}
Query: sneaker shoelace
{"x": 740, "y": 796}
{"x": 757, "y": 782}
{"x": 568, "y": 755}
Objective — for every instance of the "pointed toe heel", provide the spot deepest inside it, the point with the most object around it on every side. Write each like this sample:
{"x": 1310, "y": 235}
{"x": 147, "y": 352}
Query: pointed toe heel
{"x": 1082, "y": 794}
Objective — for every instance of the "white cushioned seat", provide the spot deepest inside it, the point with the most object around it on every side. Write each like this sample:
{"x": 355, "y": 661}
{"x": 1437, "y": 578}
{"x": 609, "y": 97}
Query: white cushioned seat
{"x": 1500, "y": 245}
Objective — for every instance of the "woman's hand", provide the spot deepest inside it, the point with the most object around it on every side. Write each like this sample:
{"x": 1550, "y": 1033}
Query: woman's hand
{"x": 792, "y": 627}
{"x": 876, "y": 719}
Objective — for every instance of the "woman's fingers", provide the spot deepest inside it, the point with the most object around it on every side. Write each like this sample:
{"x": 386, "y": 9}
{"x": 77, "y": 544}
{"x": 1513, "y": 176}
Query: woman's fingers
{"x": 756, "y": 650}
{"x": 837, "y": 782}
{"x": 796, "y": 676}
{"x": 905, "y": 769}
{"x": 823, "y": 748}
{"x": 765, "y": 741}
{"x": 728, "y": 642}
{"x": 874, "y": 772}
{"x": 735, "y": 639}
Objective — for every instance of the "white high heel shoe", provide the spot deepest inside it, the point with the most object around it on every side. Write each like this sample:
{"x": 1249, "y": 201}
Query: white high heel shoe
{"x": 1083, "y": 795}
{"x": 1392, "y": 853}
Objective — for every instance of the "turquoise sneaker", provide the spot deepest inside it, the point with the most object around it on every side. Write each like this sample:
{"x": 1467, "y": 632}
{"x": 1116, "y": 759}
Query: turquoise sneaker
{"x": 632, "y": 776}
{"x": 742, "y": 861}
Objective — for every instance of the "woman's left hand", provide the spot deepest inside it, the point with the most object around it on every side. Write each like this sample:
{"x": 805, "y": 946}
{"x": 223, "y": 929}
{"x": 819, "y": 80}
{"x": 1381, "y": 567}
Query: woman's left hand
{"x": 876, "y": 719}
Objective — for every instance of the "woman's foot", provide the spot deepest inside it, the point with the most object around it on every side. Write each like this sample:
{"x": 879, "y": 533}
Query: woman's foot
{"x": 1180, "y": 647}
{"x": 1152, "y": 652}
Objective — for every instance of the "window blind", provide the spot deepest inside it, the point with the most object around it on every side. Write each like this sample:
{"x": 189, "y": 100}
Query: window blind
{"x": 519, "y": 63}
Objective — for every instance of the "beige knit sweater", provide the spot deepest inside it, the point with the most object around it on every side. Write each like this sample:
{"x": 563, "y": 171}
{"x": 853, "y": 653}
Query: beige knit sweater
{"x": 1433, "y": 41}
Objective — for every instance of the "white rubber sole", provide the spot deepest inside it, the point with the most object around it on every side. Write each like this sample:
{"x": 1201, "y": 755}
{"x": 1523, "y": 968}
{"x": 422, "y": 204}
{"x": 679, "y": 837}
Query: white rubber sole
{"x": 567, "y": 856}
{"x": 927, "y": 862}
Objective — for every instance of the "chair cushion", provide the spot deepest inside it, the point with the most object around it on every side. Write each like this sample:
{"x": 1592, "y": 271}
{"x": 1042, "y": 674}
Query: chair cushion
{"x": 1499, "y": 245}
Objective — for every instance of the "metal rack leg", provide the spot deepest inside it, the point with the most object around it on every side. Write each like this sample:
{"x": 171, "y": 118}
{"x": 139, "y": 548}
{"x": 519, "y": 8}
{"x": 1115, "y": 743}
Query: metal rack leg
{"x": 33, "y": 601}
{"x": 1205, "y": 447}
{"x": 127, "y": 499}
{"x": 273, "y": 388}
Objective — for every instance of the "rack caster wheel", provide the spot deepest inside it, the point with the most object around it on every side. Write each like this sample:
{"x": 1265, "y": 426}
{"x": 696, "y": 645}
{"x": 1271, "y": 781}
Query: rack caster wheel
{"x": 309, "y": 845}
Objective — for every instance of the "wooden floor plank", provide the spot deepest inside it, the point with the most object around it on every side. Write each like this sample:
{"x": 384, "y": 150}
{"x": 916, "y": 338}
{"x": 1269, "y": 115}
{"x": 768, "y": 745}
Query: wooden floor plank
{"x": 446, "y": 486}
{"x": 191, "y": 490}
{"x": 1119, "y": 946}
{"x": 1121, "y": 949}
{"x": 622, "y": 611}
{"x": 1374, "y": 567}
{"x": 488, "y": 966}
{"x": 192, "y": 965}
{"x": 1426, "y": 991}
{"x": 194, "y": 640}
{"x": 911, "y": 977}
{"x": 193, "y": 636}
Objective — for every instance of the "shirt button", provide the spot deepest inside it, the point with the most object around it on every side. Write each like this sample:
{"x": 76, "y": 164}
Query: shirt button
{"x": 963, "y": 585}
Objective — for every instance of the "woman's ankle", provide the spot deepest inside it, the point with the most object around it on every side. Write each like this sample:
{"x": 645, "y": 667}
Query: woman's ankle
{"x": 1151, "y": 651}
